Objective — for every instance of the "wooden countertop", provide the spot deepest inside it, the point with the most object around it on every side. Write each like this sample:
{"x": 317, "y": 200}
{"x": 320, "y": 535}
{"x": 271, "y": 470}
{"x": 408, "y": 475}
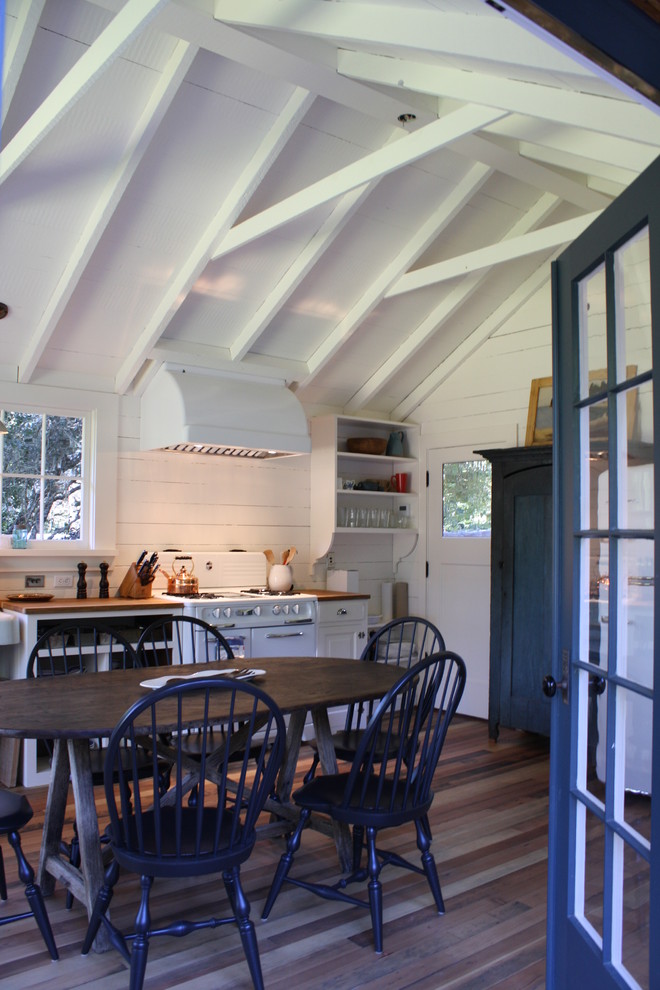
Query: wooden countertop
{"x": 61, "y": 605}
{"x": 324, "y": 595}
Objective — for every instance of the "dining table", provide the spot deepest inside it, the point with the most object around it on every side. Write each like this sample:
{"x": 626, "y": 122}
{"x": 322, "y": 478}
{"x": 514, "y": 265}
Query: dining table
{"x": 73, "y": 710}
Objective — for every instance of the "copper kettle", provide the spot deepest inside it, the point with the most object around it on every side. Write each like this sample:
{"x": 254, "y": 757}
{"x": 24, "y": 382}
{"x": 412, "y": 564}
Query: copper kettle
{"x": 183, "y": 582}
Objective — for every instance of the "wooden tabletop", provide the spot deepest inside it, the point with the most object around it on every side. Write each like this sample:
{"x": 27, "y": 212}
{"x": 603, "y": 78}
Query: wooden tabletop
{"x": 79, "y": 707}
{"x": 66, "y": 605}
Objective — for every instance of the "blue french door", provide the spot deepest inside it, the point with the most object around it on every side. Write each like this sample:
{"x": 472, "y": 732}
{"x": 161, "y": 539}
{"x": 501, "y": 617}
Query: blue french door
{"x": 604, "y": 852}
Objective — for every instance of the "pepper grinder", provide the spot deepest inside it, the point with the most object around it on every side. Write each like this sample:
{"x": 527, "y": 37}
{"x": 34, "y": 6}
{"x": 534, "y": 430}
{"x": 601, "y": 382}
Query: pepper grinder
{"x": 82, "y": 584}
{"x": 103, "y": 583}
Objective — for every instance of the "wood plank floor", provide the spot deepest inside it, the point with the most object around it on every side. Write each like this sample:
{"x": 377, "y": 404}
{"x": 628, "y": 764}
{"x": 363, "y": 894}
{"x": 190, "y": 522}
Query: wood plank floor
{"x": 489, "y": 822}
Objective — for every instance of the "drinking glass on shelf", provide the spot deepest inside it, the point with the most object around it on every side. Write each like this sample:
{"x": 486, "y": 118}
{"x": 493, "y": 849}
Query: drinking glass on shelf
{"x": 384, "y": 518}
{"x": 374, "y": 518}
{"x": 342, "y": 515}
{"x": 351, "y": 516}
{"x": 363, "y": 518}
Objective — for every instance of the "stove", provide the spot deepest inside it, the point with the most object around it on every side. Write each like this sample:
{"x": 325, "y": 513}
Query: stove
{"x": 234, "y": 597}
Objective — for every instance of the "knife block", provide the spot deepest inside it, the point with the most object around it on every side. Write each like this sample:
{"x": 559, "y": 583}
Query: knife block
{"x": 132, "y": 587}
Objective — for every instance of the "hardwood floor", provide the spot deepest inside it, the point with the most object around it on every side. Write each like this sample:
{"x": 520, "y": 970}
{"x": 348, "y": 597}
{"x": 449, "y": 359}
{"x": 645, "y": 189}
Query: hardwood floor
{"x": 489, "y": 821}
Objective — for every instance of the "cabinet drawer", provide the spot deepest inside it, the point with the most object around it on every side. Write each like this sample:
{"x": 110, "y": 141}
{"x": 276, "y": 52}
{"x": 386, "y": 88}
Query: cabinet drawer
{"x": 343, "y": 610}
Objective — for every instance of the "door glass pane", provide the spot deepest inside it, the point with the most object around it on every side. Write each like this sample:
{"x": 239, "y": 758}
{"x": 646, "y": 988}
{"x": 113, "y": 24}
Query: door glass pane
{"x": 594, "y": 506}
{"x": 593, "y": 327}
{"x": 635, "y": 429}
{"x": 636, "y": 941}
{"x": 635, "y": 611}
{"x": 594, "y": 858}
{"x": 634, "y": 716}
{"x": 633, "y": 305}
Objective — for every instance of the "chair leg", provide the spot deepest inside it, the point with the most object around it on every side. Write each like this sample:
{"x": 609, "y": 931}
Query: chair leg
{"x": 101, "y": 905}
{"x": 241, "y": 908}
{"x": 312, "y": 770}
{"x": 428, "y": 863}
{"x": 140, "y": 947}
{"x": 285, "y": 862}
{"x": 34, "y": 895}
{"x": 375, "y": 888}
{"x": 358, "y": 846}
{"x": 3, "y": 881}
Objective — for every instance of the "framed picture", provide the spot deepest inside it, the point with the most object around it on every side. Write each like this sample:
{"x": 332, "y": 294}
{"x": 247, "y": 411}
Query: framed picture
{"x": 539, "y": 414}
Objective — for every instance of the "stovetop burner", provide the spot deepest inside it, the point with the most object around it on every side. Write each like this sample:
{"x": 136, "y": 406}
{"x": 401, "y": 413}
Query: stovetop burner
{"x": 266, "y": 593}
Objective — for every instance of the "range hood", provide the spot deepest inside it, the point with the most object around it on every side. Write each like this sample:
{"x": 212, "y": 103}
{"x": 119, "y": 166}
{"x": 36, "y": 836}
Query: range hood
{"x": 210, "y": 412}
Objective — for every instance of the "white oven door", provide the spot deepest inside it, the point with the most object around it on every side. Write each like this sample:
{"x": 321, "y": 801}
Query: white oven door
{"x": 285, "y": 641}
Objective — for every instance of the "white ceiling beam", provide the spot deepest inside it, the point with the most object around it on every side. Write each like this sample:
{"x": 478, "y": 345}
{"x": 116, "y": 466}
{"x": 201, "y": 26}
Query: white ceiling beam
{"x": 232, "y": 203}
{"x": 195, "y": 24}
{"x": 586, "y": 144}
{"x": 484, "y": 36}
{"x": 128, "y": 23}
{"x": 163, "y": 93}
{"x": 494, "y": 254}
{"x": 576, "y": 163}
{"x": 604, "y": 115}
{"x": 467, "y": 347}
{"x": 438, "y": 221}
{"x": 17, "y": 48}
{"x": 307, "y": 258}
{"x": 544, "y": 179}
{"x": 443, "y": 311}
{"x": 378, "y": 163}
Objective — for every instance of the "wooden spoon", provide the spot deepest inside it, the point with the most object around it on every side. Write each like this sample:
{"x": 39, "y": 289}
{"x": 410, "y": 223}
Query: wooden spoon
{"x": 270, "y": 556}
{"x": 291, "y": 554}
{"x": 285, "y": 554}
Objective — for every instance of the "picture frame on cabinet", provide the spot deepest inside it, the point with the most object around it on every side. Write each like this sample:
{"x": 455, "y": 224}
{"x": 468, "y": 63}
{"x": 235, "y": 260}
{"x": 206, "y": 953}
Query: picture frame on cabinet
{"x": 539, "y": 414}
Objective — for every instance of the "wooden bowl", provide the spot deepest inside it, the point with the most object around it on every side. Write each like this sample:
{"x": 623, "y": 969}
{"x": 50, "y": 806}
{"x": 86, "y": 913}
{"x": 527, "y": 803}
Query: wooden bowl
{"x": 366, "y": 445}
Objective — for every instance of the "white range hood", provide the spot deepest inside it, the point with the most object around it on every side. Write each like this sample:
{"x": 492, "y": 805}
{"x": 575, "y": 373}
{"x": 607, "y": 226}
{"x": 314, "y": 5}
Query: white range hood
{"x": 210, "y": 412}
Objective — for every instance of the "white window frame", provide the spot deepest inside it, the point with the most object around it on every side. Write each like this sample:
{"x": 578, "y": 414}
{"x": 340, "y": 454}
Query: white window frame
{"x": 100, "y": 412}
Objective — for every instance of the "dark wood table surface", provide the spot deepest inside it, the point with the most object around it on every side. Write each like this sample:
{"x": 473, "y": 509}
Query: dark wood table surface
{"x": 72, "y": 710}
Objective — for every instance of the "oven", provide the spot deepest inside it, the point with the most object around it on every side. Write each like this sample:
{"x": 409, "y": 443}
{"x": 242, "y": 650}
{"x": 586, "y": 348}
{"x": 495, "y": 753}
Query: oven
{"x": 255, "y": 621}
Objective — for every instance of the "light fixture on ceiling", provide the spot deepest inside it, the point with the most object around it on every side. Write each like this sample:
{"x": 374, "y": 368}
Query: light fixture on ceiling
{"x": 405, "y": 118}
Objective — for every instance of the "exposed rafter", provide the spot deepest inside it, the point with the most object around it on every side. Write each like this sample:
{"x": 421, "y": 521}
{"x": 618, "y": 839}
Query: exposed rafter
{"x": 127, "y": 24}
{"x": 232, "y": 204}
{"x": 596, "y": 113}
{"x": 378, "y": 163}
{"x": 17, "y": 48}
{"x": 436, "y": 223}
{"x": 445, "y": 309}
{"x": 166, "y": 87}
{"x": 494, "y": 254}
{"x": 472, "y": 341}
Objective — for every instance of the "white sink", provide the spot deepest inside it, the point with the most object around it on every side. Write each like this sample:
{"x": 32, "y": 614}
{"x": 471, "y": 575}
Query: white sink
{"x": 9, "y": 629}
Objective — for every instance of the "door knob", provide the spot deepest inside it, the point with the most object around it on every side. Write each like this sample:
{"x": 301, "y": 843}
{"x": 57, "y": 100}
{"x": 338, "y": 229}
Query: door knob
{"x": 550, "y": 686}
{"x": 597, "y": 684}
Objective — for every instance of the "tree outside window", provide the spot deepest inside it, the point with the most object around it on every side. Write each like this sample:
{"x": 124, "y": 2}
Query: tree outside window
{"x": 42, "y": 475}
{"x": 466, "y": 498}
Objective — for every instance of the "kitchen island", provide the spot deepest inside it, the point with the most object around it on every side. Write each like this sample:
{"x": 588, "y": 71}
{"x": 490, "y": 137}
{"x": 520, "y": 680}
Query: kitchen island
{"x": 128, "y": 615}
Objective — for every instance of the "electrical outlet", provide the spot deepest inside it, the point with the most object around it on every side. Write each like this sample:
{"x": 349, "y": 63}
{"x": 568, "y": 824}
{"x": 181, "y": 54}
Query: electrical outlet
{"x": 63, "y": 581}
{"x": 34, "y": 580}
{"x": 331, "y": 560}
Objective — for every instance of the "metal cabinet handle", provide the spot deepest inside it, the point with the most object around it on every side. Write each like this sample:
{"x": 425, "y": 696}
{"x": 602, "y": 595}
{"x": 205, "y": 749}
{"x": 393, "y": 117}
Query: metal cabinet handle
{"x": 342, "y": 611}
{"x": 286, "y": 635}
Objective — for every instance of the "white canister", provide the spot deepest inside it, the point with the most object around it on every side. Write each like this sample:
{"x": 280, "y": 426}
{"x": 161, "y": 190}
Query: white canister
{"x": 280, "y": 577}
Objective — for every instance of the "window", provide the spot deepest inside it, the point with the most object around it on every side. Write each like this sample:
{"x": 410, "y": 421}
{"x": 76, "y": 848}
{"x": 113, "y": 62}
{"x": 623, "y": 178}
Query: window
{"x": 466, "y": 498}
{"x": 58, "y": 472}
{"x": 43, "y": 488}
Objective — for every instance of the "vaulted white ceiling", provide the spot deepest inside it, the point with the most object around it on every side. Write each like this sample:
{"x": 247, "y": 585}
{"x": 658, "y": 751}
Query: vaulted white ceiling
{"x": 349, "y": 195}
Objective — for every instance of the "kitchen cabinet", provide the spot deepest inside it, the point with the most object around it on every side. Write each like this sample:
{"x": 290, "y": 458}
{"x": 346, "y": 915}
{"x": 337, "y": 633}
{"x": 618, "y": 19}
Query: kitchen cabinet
{"x": 341, "y": 632}
{"x": 333, "y": 466}
{"x": 521, "y": 588}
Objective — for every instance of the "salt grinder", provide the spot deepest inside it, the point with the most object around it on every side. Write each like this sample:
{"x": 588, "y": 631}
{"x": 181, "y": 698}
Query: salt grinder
{"x": 103, "y": 583}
